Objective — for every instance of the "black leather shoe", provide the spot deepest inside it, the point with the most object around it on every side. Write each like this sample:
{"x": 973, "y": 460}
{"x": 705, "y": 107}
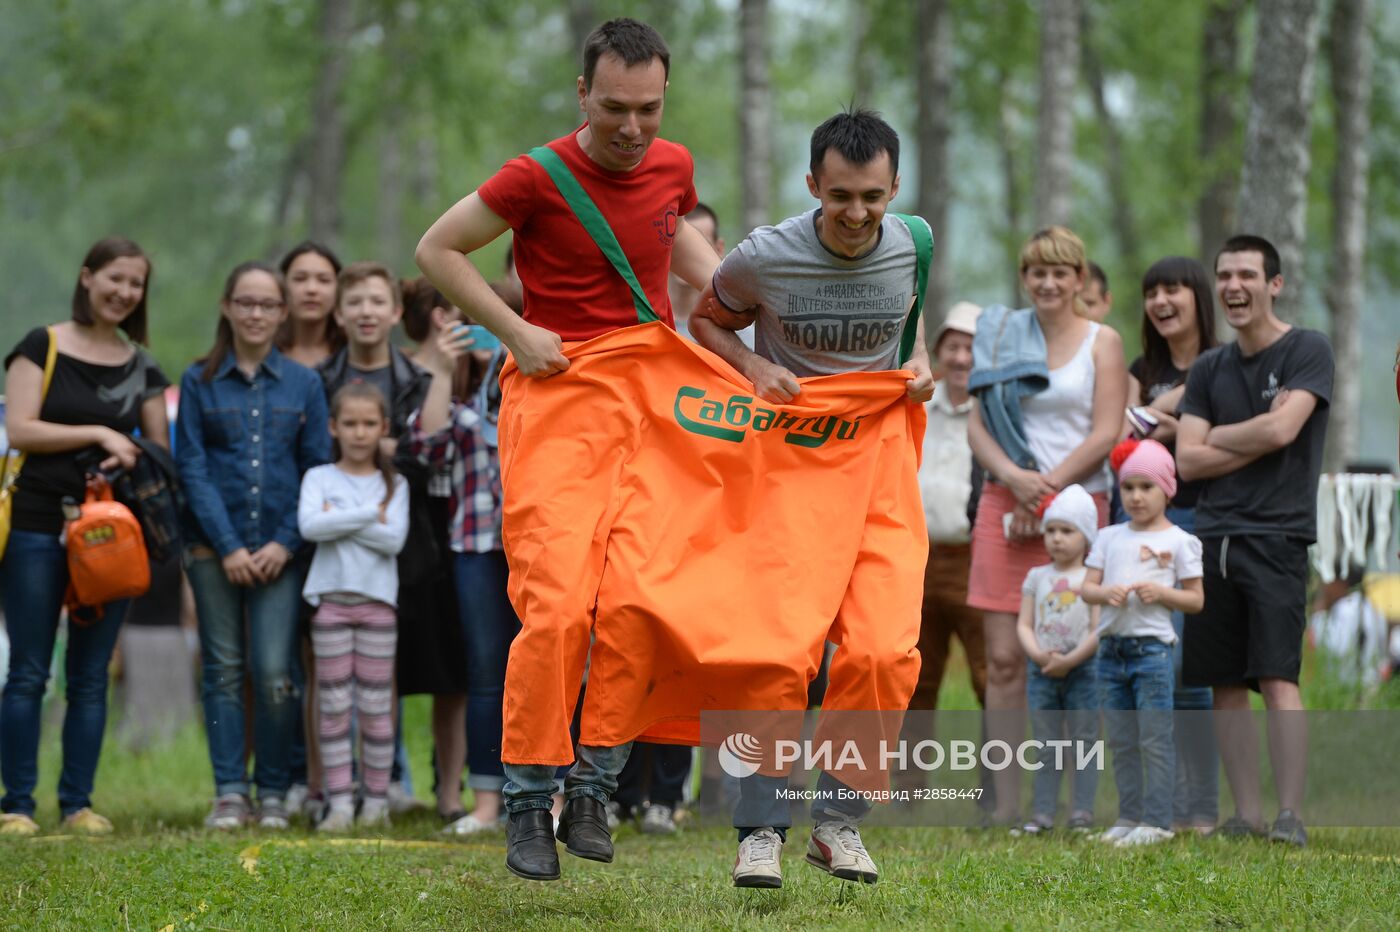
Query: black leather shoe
{"x": 583, "y": 828}
{"x": 530, "y": 851}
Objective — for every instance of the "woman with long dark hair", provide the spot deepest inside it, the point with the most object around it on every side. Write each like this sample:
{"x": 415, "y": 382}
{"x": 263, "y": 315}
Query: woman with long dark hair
{"x": 251, "y": 423}
{"x": 104, "y": 386}
{"x": 309, "y": 334}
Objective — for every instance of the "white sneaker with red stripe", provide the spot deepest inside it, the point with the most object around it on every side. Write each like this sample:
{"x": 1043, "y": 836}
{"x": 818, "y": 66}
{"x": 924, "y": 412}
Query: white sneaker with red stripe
{"x": 836, "y": 848}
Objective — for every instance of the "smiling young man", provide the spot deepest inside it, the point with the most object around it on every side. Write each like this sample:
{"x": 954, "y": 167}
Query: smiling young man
{"x": 828, "y": 292}
{"x": 642, "y": 186}
{"x": 1253, "y": 423}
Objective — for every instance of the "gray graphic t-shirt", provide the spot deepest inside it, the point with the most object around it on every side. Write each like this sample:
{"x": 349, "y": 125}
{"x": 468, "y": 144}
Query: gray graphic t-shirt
{"x": 820, "y": 313}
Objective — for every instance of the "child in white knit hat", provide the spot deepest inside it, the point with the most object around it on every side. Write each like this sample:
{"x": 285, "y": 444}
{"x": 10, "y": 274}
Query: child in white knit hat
{"x": 1057, "y": 631}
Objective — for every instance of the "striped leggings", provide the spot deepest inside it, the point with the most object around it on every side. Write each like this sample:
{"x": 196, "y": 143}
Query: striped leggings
{"x": 354, "y": 647}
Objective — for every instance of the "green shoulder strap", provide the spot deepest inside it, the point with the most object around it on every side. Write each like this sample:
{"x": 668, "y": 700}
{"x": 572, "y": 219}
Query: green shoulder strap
{"x": 591, "y": 217}
{"x": 923, "y": 250}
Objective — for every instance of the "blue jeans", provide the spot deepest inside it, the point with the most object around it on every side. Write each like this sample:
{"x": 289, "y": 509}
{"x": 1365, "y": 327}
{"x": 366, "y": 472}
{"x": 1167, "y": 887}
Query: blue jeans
{"x": 33, "y": 577}
{"x": 1135, "y": 682}
{"x": 761, "y": 805}
{"x": 532, "y": 786}
{"x": 1060, "y": 709}
{"x": 489, "y": 625}
{"x": 271, "y": 646}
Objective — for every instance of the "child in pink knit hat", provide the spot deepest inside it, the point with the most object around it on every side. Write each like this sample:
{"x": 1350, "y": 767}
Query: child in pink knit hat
{"x": 1140, "y": 572}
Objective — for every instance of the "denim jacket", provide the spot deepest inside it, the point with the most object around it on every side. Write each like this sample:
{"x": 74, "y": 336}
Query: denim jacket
{"x": 243, "y": 445}
{"x": 1008, "y": 363}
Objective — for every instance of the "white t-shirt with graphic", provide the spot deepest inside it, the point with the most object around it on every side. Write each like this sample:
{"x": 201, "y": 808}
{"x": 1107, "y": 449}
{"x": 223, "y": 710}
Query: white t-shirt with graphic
{"x": 1126, "y": 557}
{"x": 820, "y": 313}
{"x": 1061, "y": 616}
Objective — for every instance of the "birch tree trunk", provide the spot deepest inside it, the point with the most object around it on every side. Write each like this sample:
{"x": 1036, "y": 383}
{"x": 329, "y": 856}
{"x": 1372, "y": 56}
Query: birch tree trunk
{"x": 1123, "y": 227}
{"x": 755, "y": 116}
{"x": 1220, "y": 117}
{"x": 862, "y": 61}
{"x": 1014, "y": 206}
{"x": 1273, "y": 183}
{"x": 583, "y": 19}
{"x": 327, "y": 158}
{"x": 1059, "y": 65}
{"x": 934, "y": 91}
{"x": 1349, "y": 55}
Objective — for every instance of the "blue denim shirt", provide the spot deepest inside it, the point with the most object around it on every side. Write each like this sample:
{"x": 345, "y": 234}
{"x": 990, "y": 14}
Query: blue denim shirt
{"x": 243, "y": 446}
{"x": 1008, "y": 363}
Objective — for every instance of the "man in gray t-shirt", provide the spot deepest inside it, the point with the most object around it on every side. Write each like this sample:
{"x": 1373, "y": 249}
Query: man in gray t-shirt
{"x": 821, "y": 312}
{"x": 828, "y": 292}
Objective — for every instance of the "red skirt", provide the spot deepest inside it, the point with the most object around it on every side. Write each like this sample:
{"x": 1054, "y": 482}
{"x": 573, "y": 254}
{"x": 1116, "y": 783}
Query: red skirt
{"x": 999, "y": 565}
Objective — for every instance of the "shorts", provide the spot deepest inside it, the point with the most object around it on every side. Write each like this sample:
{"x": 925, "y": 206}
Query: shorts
{"x": 1255, "y": 612}
{"x": 999, "y": 565}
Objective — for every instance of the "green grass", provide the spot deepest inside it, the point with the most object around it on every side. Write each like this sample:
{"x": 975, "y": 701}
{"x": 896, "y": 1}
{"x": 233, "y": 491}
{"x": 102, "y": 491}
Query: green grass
{"x": 162, "y": 869}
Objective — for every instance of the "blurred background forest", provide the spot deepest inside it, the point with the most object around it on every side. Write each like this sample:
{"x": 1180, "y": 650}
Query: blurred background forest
{"x": 213, "y": 131}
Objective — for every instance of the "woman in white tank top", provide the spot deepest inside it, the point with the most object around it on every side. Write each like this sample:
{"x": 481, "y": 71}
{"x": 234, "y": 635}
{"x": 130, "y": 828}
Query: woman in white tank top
{"x": 1070, "y": 428}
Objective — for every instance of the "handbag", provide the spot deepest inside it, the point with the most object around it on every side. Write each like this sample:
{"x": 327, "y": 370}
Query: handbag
{"x": 107, "y": 558}
{"x": 14, "y": 459}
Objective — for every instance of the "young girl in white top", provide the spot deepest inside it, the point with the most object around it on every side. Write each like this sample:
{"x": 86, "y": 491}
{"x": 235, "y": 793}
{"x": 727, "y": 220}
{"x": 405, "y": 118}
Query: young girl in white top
{"x": 356, "y": 510}
{"x": 1135, "y": 570}
{"x": 1057, "y": 631}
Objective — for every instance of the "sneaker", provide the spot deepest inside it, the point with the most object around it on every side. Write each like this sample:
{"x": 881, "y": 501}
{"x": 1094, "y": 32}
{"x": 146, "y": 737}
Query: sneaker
{"x": 314, "y": 808}
{"x": 401, "y": 802}
{"x": 1144, "y": 835}
{"x": 230, "y": 811}
{"x": 339, "y": 818}
{"x": 659, "y": 820}
{"x": 758, "y": 862}
{"x": 836, "y": 848}
{"x": 469, "y": 825}
{"x": 1032, "y": 828}
{"x": 1288, "y": 828}
{"x": 615, "y": 815}
{"x": 87, "y": 822}
{"x": 1081, "y": 823}
{"x": 272, "y": 813}
{"x": 1236, "y": 827}
{"x": 1114, "y": 834}
{"x": 18, "y": 825}
{"x": 374, "y": 812}
{"x": 296, "y": 797}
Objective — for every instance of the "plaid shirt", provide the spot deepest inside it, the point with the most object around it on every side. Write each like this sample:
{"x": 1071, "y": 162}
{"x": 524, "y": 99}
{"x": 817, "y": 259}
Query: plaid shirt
{"x": 475, "y": 469}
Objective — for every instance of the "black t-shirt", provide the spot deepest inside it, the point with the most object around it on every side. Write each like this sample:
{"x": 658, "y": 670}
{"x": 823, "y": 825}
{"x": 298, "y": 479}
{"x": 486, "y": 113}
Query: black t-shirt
{"x": 1277, "y": 493}
{"x": 80, "y": 393}
{"x": 1155, "y": 385}
{"x": 381, "y": 378}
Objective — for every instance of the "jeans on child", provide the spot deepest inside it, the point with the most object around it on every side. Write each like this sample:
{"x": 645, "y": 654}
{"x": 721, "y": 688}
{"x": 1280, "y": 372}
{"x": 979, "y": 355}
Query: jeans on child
{"x": 1063, "y": 709}
{"x": 532, "y": 786}
{"x": 264, "y": 644}
{"x": 1135, "y": 683}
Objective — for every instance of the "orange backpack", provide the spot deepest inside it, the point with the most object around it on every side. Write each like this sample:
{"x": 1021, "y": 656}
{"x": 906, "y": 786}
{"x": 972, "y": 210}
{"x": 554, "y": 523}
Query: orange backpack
{"x": 107, "y": 557}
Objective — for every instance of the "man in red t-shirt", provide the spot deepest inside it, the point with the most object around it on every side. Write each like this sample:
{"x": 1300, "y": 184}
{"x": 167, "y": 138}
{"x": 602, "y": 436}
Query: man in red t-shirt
{"x": 643, "y": 187}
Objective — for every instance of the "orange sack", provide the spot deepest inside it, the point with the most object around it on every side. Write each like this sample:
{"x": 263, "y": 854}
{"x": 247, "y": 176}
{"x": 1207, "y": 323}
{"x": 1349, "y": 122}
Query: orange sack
{"x": 709, "y": 542}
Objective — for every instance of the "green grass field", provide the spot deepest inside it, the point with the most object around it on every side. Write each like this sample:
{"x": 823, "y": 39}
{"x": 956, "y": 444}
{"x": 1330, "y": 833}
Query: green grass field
{"x": 162, "y": 870}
